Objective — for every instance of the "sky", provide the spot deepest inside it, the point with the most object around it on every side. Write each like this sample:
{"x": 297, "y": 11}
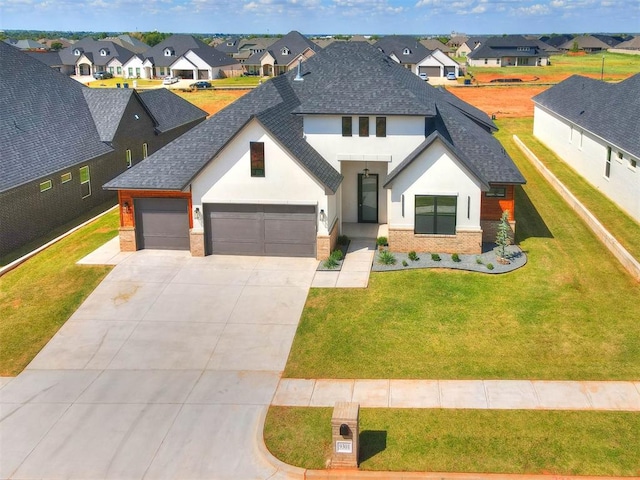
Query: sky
{"x": 418, "y": 17}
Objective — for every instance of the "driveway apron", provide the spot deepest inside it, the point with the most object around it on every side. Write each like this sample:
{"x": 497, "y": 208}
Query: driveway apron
{"x": 165, "y": 371}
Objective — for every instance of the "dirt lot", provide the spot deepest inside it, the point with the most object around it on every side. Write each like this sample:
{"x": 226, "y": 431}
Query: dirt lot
{"x": 501, "y": 101}
{"x": 211, "y": 101}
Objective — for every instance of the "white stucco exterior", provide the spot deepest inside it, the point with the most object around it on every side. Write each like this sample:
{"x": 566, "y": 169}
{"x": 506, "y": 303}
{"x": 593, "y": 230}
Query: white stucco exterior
{"x": 587, "y": 154}
{"x": 134, "y": 68}
{"x": 227, "y": 179}
{"x": 435, "y": 172}
{"x": 440, "y": 60}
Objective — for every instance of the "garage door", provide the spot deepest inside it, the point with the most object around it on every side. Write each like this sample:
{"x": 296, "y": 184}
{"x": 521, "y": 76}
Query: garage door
{"x": 449, "y": 70}
{"x": 162, "y": 223}
{"x": 250, "y": 229}
{"x": 430, "y": 71}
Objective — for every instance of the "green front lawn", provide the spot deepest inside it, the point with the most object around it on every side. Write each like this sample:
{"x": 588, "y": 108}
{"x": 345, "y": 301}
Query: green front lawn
{"x": 570, "y": 313}
{"x": 497, "y": 441}
{"x": 40, "y": 295}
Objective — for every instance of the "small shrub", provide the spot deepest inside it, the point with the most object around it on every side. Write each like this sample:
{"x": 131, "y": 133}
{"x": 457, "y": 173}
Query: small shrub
{"x": 413, "y": 256}
{"x": 386, "y": 258}
{"x": 336, "y": 255}
{"x": 381, "y": 241}
{"x": 330, "y": 263}
{"x": 435, "y": 257}
{"x": 478, "y": 260}
{"x": 343, "y": 239}
{"x": 455, "y": 257}
{"x": 404, "y": 263}
{"x": 490, "y": 266}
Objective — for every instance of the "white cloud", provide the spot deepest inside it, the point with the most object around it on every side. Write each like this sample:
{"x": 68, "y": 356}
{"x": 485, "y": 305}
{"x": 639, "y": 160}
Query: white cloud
{"x": 533, "y": 10}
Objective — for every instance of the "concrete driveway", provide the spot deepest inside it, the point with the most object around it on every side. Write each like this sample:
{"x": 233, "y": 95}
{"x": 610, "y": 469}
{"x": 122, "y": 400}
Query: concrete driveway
{"x": 165, "y": 371}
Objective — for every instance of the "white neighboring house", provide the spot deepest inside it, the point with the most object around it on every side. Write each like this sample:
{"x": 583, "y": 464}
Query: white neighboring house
{"x": 438, "y": 64}
{"x": 282, "y": 169}
{"x": 595, "y": 128}
{"x": 414, "y": 56}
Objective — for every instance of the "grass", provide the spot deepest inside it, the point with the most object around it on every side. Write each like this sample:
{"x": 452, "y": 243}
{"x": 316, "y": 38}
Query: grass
{"x": 620, "y": 224}
{"x": 111, "y": 82}
{"x": 40, "y": 295}
{"x": 571, "y": 304}
{"x": 513, "y": 441}
{"x": 616, "y": 67}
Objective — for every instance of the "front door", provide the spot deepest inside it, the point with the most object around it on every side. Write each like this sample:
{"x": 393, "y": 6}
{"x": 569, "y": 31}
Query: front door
{"x": 367, "y": 198}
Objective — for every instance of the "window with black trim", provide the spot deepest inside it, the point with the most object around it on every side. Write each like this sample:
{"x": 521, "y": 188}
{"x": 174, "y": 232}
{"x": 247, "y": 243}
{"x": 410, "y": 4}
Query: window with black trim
{"x": 257, "y": 159}
{"x": 607, "y": 165}
{"x": 363, "y": 126}
{"x": 435, "y": 214}
{"x": 145, "y": 150}
{"x": 85, "y": 181}
{"x": 499, "y": 192}
{"x": 347, "y": 126}
{"x": 128, "y": 158}
{"x": 381, "y": 126}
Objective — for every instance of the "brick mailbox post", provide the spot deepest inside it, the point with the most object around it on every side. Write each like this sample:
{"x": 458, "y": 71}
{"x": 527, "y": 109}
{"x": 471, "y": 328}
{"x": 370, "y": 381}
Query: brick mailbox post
{"x": 345, "y": 431}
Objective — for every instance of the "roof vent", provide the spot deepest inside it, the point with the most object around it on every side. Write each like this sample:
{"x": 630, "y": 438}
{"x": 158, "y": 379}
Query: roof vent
{"x": 299, "y": 74}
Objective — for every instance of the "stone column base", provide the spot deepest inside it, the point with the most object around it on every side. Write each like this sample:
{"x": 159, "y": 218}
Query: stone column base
{"x": 196, "y": 243}
{"x": 127, "y": 237}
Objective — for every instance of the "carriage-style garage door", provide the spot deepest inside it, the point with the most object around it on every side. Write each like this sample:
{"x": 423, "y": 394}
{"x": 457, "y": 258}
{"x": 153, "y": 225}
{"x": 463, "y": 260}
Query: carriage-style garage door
{"x": 162, "y": 223}
{"x": 251, "y": 229}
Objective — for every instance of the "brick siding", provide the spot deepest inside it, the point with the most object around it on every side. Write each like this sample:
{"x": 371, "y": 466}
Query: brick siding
{"x": 466, "y": 242}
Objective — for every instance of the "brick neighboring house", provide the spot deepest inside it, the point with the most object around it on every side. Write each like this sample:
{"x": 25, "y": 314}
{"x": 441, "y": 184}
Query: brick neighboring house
{"x": 61, "y": 141}
{"x": 282, "y": 169}
{"x": 594, "y": 127}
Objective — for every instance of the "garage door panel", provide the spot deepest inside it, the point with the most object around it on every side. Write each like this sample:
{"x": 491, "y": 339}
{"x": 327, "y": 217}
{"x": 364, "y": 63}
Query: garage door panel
{"x": 289, "y": 250}
{"x": 289, "y": 231}
{"x": 162, "y": 223}
{"x": 430, "y": 71}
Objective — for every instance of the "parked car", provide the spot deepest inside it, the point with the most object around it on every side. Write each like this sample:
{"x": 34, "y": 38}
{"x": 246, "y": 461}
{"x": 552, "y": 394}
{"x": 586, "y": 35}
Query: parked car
{"x": 200, "y": 84}
{"x": 424, "y": 77}
{"x": 451, "y": 76}
{"x": 169, "y": 80}
{"x": 102, "y": 75}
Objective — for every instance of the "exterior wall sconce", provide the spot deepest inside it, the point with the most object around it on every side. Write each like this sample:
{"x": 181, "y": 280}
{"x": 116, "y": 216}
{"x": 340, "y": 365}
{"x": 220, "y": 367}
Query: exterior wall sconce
{"x": 196, "y": 213}
{"x": 366, "y": 170}
{"x": 126, "y": 207}
{"x": 323, "y": 216}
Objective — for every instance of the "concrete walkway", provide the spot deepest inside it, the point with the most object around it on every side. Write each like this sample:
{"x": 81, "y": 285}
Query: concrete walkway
{"x": 472, "y": 394}
{"x": 355, "y": 270}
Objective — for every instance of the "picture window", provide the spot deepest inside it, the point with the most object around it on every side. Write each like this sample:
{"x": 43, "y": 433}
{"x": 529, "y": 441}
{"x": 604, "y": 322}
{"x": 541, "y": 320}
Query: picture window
{"x": 435, "y": 214}
{"x": 257, "y": 159}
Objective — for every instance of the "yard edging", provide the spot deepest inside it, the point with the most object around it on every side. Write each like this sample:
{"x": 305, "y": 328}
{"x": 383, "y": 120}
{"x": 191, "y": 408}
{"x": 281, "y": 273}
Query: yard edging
{"x": 608, "y": 240}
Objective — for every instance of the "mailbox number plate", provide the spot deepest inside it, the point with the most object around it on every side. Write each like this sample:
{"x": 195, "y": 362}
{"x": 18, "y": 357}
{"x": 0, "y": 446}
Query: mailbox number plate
{"x": 344, "y": 447}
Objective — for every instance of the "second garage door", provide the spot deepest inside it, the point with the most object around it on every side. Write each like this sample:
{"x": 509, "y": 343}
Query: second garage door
{"x": 256, "y": 229}
{"x": 162, "y": 223}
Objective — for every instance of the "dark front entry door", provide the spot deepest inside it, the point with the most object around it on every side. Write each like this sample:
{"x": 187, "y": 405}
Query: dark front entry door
{"x": 367, "y": 198}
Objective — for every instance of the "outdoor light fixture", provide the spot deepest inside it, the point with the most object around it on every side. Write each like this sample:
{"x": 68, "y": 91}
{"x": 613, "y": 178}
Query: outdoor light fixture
{"x": 323, "y": 216}
{"x": 196, "y": 213}
{"x": 126, "y": 207}
{"x": 366, "y": 170}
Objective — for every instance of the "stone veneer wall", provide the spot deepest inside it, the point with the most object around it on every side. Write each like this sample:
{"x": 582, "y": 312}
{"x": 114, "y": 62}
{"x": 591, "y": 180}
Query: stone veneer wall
{"x": 196, "y": 242}
{"x": 327, "y": 243}
{"x": 465, "y": 242}
{"x": 128, "y": 239}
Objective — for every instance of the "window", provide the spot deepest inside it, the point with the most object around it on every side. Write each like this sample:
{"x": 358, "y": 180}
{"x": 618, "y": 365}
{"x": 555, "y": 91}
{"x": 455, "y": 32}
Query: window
{"x": 104, "y": 52}
{"x": 363, "y": 126}
{"x": 137, "y": 72}
{"x": 65, "y": 177}
{"x": 130, "y": 72}
{"x": 435, "y": 214}
{"x": 499, "y": 192}
{"x": 347, "y": 127}
{"x": 257, "y": 159}
{"x": 633, "y": 163}
{"x": 486, "y": 61}
{"x": 128, "y": 158}
{"x": 286, "y": 51}
{"x": 381, "y": 126}
{"x": 607, "y": 165}
{"x": 168, "y": 52}
{"x": 406, "y": 51}
{"x": 44, "y": 186}
{"x": 119, "y": 70}
{"x": 77, "y": 52}
{"x": 85, "y": 181}
{"x": 620, "y": 157}
{"x": 145, "y": 150}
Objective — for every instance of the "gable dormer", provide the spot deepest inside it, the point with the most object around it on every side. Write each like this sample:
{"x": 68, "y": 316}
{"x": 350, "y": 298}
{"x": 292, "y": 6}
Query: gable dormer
{"x": 78, "y": 51}
{"x": 286, "y": 51}
{"x": 406, "y": 51}
{"x": 169, "y": 52}
{"x": 104, "y": 52}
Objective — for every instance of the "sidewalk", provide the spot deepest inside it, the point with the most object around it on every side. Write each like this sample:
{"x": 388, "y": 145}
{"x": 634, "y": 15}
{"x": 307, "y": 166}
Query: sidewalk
{"x": 472, "y": 394}
{"x": 355, "y": 270}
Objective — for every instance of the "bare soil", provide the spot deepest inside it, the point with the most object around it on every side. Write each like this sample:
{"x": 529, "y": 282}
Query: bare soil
{"x": 501, "y": 101}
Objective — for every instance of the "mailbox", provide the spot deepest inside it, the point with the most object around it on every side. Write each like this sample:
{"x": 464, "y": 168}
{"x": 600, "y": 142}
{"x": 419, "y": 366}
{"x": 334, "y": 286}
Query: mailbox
{"x": 345, "y": 431}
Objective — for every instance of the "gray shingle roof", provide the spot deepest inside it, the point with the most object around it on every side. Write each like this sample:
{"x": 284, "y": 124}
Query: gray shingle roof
{"x": 91, "y": 48}
{"x": 585, "y": 41}
{"x": 633, "y": 44}
{"x": 181, "y": 44}
{"x": 498, "y": 47}
{"x": 347, "y": 78}
{"x": 39, "y": 104}
{"x": 609, "y": 110}
{"x": 107, "y": 107}
{"x": 52, "y": 59}
{"x": 294, "y": 41}
{"x": 169, "y": 110}
{"x": 397, "y": 44}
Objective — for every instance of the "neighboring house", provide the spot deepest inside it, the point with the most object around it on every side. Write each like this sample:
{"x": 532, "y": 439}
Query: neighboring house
{"x": 61, "y": 141}
{"x": 26, "y": 44}
{"x": 435, "y": 44}
{"x": 282, "y": 169}
{"x": 584, "y": 43}
{"x": 281, "y": 56}
{"x": 456, "y": 40}
{"x": 595, "y": 127}
{"x": 611, "y": 40}
{"x": 412, "y": 55}
{"x": 48, "y": 42}
{"x": 252, "y": 46}
{"x": 52, "y": 59}
{"x": 88, "y": 56}
{"x": 507, "y": 51}
{"x": 469, "y": 46}
{"x": 130, "y": 43}
{"x": 187, "y": 57}
{"x": 556, "y": 40}
{"x": 229, "y": 47}
{"x": 631, "y": 47}
{"x": 551, "y": 50}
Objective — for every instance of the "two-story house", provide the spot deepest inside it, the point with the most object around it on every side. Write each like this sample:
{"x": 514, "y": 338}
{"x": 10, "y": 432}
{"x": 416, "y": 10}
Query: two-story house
{"x": 350, "y": 137}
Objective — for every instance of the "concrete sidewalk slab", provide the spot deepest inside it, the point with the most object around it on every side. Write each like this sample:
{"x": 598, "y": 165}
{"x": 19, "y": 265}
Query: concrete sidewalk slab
{"x": 462, "y": 394}
{"x": 371, "y": 393}
{"x": 562, "y": 395}
{"x": 327, "y": 392}
{"x": 324, "y": 279}
{"x": 294, "y": 392}
{"x": 510, "y": 394}
{"x": 223, "y": 387}
{"x": 414, "y": 394}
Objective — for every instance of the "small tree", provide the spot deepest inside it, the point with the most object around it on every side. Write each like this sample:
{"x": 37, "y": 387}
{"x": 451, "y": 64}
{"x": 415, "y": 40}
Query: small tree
{"x": 56, "y": 46}
{"x": 502, "y": 236}
{"x": 575, "y": 47}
